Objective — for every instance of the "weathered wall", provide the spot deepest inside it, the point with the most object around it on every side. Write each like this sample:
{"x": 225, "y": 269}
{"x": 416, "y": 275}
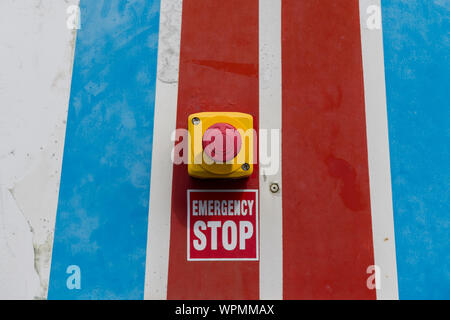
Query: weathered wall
{"x": 36, "y": 61}
{"x": 36, "y": 55}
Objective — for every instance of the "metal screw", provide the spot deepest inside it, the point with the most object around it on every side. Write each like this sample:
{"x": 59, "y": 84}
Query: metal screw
{"x": 245, "y": 167}
{"x": 274, "y": 187}
{"x": 196, "y": 121}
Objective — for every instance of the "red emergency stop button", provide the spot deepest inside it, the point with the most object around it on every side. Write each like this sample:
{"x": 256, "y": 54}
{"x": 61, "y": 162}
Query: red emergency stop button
{"x": 222, "y": 142}
{"x": 220, "y": 145}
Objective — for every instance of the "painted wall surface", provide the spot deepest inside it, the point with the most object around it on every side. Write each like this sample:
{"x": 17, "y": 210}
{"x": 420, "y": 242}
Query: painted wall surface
{"x": 101, "y": 225}
{"x": 417, "y": 60}
{"x": 93, "y": 110}
{"x": 36, "y": 58}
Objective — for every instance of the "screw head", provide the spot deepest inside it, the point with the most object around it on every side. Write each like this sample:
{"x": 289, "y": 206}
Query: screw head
{"x": 245, "y": 167}
{"x": 274, "y": 187}
{"x": 195, "y": 121}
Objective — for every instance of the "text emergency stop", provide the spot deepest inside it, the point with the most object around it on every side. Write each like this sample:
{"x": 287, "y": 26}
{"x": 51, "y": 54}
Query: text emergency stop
{"x": 222, "y": 225}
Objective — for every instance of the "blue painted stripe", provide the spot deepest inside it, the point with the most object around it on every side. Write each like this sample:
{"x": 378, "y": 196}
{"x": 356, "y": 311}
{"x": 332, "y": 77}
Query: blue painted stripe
{"x": 417, "y": 61}
{"x": 101, "y": 224}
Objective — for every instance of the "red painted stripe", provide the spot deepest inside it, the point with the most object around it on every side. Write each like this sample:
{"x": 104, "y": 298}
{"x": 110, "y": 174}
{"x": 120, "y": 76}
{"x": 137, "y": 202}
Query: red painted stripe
{"x": 326, "y": 206}
{"x": 218, "y": 72}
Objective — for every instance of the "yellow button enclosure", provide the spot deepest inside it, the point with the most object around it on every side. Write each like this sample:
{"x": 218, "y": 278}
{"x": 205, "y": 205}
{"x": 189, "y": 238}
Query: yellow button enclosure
{"x": 200, "y": 165}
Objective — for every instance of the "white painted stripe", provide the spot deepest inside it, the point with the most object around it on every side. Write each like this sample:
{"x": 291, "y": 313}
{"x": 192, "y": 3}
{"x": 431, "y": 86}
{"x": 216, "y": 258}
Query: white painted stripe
{"x": 271, "y": 223}
{"x": 36, "y": 58}
{"x": 162, "y": 168}
{"x": 378, "y": 150}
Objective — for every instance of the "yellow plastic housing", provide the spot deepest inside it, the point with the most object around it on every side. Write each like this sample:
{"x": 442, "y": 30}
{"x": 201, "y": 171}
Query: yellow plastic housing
{"x": 200, "y": 165}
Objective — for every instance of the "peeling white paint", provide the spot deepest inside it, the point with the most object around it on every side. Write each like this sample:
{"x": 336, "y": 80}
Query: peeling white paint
{"x": 169, "y": 41}
{"x": 18, "y": 277}
{"x": 36, "y": 58}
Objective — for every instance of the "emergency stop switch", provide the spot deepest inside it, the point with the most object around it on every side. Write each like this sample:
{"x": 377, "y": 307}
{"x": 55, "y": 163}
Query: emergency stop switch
{"x": 220, "y": 145}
